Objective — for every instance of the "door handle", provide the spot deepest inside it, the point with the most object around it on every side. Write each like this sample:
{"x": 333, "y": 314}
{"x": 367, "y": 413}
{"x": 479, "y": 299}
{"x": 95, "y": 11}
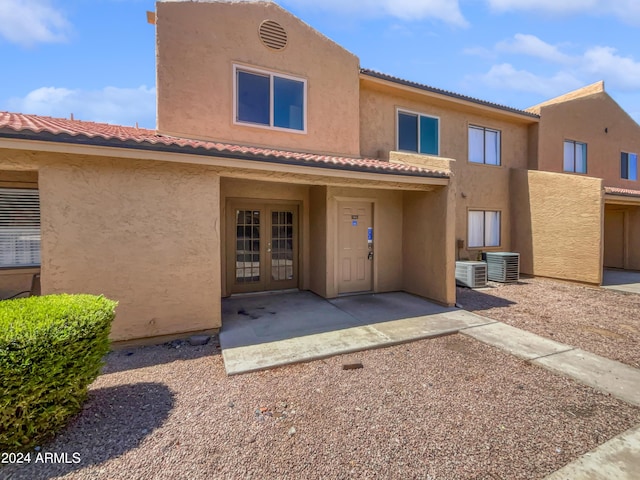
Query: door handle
{"x": 370, "y": 256}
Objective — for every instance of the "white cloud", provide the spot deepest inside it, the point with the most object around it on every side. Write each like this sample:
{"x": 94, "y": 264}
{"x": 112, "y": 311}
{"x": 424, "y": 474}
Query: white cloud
{"x": 447, "y": 11}
{"x": 534, "y": 47}
{"x": 505, "y": 76}
{"x": 122, "y": 106}
{"x": 619, "y": 72}
{"x": 28, "y": 22}
{"x": 626, "y": 10}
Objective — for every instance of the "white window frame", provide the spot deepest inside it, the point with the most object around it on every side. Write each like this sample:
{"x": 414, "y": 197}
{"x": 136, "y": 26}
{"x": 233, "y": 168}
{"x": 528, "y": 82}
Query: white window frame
{"x": 419, "y": 114}
{"x": 628, "y": 169}
{"x": 484, "y": 143}
{"x": 271, "y": 75}
{"x": 586, "y": 156}
{"x": 484, "y": 228}
{"x": 19, "y": 240}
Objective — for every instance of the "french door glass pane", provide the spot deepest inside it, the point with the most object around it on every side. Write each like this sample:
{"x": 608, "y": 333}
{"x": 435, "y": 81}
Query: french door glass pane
{"x": 247, "y": 246}
{"x": 281, "y": 245}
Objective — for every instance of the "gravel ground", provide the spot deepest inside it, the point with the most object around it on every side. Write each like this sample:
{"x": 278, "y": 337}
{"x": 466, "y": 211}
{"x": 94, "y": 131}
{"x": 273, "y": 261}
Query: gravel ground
{"x": 601, "y": 321}
{"x": 447, "y": 408}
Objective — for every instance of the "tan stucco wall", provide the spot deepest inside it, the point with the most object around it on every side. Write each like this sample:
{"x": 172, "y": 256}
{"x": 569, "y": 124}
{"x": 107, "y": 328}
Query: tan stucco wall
{"x": 318, "y": 240}
{"x": 428, "y": 244}
{"x": 145, "y": 235}
{"x": 387, "y": 234}
{"x": 479, "y": 187}
{"x": 557, "y": 223}
{"x": 232, "y": 188}
{"x": 197, "y": 45}
{"x": 585, "y": 119}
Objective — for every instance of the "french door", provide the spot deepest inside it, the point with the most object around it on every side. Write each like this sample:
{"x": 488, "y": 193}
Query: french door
{"x": 262, "y": 248}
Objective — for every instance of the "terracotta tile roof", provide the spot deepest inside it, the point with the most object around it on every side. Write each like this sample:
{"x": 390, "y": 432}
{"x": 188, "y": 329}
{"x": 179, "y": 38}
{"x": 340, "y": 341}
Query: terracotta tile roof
{"x": 420, "y": 86}
{"x": 622, "y": 191}
{"x": 36, "y": 127}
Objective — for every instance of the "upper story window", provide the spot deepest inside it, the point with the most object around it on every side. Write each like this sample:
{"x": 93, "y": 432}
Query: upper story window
{"x": 484, "y": 145}
{"x": 418, "y": 133}
{"x": 484, "y": 228}
{"x": 270, "y": 100}
{"x": 629, "y": 166}
{"x": 575, "y": 156}
{"x": 19, "y": 227}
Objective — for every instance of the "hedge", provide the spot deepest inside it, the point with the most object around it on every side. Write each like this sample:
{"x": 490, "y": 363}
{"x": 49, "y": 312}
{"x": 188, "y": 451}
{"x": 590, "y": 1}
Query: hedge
{"x": 51, "y": 349}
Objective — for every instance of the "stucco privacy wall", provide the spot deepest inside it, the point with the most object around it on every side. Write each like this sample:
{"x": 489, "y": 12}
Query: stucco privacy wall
{"x": 387, "y": 231}
{"x": 207, "y": 39}
{"x": 479, "y": 187}
{"x": 146, "y": 235}
{"x": 557, "y": 224}
{"x": 585, "y": 119}
{"x": 428, "y": 244}
{"x": 13, "y": 281}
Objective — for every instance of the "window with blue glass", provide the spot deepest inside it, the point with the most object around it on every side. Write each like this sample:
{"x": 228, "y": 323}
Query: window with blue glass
{"x": 629, "y": 166}
{"x": 271, "y": 100}
{"x": 418, "y": 133}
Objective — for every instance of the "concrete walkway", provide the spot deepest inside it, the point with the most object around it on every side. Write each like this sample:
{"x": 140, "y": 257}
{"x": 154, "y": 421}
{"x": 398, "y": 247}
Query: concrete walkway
{"x": 621, "y": 280}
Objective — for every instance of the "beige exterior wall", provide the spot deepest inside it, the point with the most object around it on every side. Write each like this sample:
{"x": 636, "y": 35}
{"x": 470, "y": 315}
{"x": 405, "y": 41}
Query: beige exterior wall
{"x": 318, "y": 240}
{"x": 146, "y": 235}
{"x": 428, "y": 244}
{"x": 557, "y": 223}
{"x": 585, "y": 119}
{"x": 197, "y": 46}
{"x": 479, "y": 187}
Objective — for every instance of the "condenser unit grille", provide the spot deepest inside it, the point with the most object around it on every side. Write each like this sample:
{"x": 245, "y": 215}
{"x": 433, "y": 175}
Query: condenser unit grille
{"x": 273, "y": 35}
{"x": 471, "y": 274}
{"x": 503, "y": 267}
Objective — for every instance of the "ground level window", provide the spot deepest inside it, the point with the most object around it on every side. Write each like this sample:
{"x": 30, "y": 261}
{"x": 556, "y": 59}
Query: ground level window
{"x": 575, "y": 156}
{"x": 19, "y": 228}
{"x": 629, "y": 166}
{"x": 418, "y": 133}
{"x": 484, "y": 228}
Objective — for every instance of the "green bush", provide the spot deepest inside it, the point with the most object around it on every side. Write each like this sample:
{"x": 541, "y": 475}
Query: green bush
{"x": 51, "y": 349}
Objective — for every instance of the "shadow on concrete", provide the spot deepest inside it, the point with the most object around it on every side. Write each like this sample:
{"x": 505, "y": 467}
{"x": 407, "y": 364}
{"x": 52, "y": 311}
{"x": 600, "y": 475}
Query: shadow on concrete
{"x": 612, "y": 277}
{"x": 256, "y": 319}
{"x": 477, "y": 300}
{"x": 101, "y": 431}
{"x": 140, "y": 357}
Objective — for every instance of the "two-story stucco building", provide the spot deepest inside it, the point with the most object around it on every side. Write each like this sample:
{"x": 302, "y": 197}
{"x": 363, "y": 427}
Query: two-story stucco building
{"x": 279, "y": 163}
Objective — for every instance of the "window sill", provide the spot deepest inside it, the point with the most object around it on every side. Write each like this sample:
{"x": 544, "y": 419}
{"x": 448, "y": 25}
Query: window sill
{"x": 270, "y": 128}
{"x": 19, "y": 270}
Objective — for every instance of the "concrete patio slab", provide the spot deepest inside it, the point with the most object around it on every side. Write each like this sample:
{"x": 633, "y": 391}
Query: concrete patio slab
{"x": 618, "y": 458}
{"x": 518, "y": 342}
{"x": 621, "y": 280}
{"x": 618, "y": 379}
{"x": 304, "y": 327}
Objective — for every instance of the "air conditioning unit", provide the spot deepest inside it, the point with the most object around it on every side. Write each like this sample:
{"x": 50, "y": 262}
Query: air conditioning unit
{"x": 502, "y": 267}
{"x": 471, "y": 274}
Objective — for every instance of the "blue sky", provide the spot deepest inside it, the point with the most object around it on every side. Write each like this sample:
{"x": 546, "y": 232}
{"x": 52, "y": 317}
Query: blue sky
{"x": 96, "y": 58}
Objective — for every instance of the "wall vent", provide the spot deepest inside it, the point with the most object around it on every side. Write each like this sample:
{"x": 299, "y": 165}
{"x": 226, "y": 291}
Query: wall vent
{"x": 273, "y": 35}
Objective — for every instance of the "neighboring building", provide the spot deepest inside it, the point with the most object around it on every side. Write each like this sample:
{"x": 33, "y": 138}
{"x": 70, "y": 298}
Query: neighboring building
{"x": 589, "y": 216}
{"x": 279, "y": 163}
